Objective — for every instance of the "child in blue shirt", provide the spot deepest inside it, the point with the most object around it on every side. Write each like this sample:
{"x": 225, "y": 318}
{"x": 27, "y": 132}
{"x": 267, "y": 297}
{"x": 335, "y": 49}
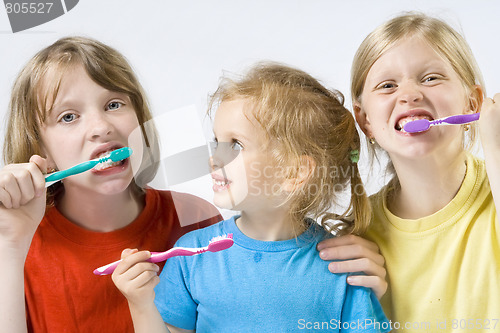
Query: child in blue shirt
{"x": 285, "y": 150}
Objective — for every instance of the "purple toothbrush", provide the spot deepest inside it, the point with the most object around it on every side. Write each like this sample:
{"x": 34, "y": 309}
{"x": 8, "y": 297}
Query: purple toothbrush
{"x": 422, "y": 125}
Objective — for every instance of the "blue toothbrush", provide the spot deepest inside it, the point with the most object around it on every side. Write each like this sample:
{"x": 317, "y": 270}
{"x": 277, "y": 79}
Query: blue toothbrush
{"x": 114, "y": 156}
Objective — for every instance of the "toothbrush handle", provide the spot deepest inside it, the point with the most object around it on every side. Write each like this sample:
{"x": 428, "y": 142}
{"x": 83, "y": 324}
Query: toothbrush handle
{"x": 461, "y": 118}
{"x": 175, "y": 252}
{"x": 155, "y": 257}
{"x": 79, "y": 168}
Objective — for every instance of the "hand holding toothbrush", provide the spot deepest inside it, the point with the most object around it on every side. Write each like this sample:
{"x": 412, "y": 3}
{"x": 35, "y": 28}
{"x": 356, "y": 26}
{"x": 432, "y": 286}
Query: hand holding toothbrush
{"x": 22, "y": 201}
{"x": 490, "y": 142}
{"x": 22, "y": 191}
{"x": 136, "y": 278}
{"x": 136, "y": 275}
{"x": 489, "y": 124}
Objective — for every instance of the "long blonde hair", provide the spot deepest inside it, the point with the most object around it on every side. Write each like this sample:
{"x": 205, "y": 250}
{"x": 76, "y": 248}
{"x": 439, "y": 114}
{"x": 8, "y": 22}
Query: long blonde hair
{"x": 445, "y": 40}
{"x": 306, "y": 119}
{"x": 30, "y": 104}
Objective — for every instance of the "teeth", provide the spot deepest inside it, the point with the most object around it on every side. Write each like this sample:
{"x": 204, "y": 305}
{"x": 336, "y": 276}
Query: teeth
{"x": 106, "y": 165}
{"x": 103, "y": 154}
{"x": 220, "y": 182}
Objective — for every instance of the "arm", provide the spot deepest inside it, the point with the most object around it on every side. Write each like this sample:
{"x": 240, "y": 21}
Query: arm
{"x": 489, "y": 123}
{"x": 136, "y": 279}
{"x": 22, "y": 205}
{"x": 357, "y": 255}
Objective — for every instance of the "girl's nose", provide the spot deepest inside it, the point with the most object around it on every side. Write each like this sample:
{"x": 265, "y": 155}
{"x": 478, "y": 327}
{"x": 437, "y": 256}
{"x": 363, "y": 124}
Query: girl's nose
{"x": 409, "y": 92}
{"x": 222, "y": 154}
{"x": 99, "y": 126}
{"x": 214, "y": 161}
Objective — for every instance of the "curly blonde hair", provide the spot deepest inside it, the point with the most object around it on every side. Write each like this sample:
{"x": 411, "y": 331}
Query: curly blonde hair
{"x": 304, "y": 118}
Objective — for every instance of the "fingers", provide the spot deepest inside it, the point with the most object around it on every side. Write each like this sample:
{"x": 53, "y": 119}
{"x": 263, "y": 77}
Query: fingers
{"x": 378, "y": 285}
{"x": 128, "y": 252}
{"x": 134, "y": 272}
{"x": 347, "y": 240}
{"x": 364, "y": 265}
{"x": 496, "y": 98}
{"x": 10, "y": 193}
{"x": 489, "y": 103}
{"x": 353, "y": 254}
{"x": 20, "y": 183}
{"x": 348, "y": 248}
{"x": 38, "y": 177}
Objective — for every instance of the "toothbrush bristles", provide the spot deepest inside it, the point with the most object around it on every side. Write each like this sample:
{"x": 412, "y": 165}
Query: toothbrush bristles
{"x": 218, "y": 238}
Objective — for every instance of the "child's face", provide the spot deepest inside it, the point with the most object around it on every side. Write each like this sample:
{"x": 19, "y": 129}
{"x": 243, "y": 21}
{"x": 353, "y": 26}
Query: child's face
{"x": 243, "y": 174}
{"x": 87, "y": 121}
{"x": 411, "y": 79}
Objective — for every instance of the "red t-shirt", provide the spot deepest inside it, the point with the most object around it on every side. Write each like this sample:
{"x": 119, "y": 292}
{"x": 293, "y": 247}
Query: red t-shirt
{"x": 63, "y": 294}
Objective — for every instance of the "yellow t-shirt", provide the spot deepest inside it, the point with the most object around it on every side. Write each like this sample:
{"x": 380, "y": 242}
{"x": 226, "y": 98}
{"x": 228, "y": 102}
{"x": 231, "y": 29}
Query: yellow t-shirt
{"x": 443, "y": 269}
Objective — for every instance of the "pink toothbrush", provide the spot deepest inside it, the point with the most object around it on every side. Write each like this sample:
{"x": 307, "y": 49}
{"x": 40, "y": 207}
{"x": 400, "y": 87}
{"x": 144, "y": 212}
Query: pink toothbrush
{"x": 216, "y": 244}
{"x": 422, "y": 125}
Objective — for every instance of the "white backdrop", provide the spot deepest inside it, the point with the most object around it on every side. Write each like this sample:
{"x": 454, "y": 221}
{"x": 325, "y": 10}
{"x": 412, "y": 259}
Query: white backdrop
{"x": 179, "y": 49}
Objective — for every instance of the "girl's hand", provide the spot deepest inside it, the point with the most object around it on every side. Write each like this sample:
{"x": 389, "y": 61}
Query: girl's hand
{"x": 489, "y": 123}
{"x": 136, "y": 278}
{"x": 357, "y": 255}
{"x": 22, "y": 200}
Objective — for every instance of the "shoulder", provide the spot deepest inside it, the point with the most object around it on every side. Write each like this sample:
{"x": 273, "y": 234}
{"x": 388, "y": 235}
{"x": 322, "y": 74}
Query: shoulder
{"x": 477, "y": 167}
{"x": 201, "y": 237}
{"x": 189, "y": 208}
{"x": 178, "y": 197}
{"x": 361, "y": 304}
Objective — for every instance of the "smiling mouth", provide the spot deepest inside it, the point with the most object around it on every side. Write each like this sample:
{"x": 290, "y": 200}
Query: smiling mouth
{"x": 221, "y": 182}
{"x": 405, "y": 120}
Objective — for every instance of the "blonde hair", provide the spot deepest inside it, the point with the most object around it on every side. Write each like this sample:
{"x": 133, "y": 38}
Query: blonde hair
{"x": 30, "y": 104}
{"x": 304, "y": 118}
{"x": 445, "y": 40}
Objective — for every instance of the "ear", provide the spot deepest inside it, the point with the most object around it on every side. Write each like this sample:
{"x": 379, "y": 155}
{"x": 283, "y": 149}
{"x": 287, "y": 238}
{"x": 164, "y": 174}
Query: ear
{"x": 306, "y": 168}
{"x": 362, "y": 119}
{"x": 476, "y": 98}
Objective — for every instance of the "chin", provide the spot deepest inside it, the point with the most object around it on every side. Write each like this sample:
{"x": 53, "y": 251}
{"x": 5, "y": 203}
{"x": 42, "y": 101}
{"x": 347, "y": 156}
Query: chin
{"x": 227, "y": 201}
{"x": 223, "y": 202}
{"x": 114, "y": 187}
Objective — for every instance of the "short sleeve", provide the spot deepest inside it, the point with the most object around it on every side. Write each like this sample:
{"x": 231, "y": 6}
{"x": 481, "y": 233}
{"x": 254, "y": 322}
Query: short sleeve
{"x": 362, "y": 312}
{"x": 173, "y": 299}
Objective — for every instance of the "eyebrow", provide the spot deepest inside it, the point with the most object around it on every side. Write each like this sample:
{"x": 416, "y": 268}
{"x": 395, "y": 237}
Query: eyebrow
{"x": 234, "y": 135}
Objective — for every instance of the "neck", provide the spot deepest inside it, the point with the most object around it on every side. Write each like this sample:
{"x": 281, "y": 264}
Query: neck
{"x": 98, "y": 212}
{"x": 426, "y": 185}
{"x": 272, "y": 225}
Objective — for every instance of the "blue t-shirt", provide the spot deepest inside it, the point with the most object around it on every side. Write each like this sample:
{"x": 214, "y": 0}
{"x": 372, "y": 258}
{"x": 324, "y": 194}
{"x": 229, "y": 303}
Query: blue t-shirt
{"x": 259, "y": 286}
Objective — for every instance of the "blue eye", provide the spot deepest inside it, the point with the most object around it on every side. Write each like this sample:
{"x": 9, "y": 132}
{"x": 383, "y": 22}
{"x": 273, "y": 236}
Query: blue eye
{"x": 236, "y": 146}
{"x": 114, "y": 105}
{"x": 68, "y": 118}
{"x": 430, "y": 78}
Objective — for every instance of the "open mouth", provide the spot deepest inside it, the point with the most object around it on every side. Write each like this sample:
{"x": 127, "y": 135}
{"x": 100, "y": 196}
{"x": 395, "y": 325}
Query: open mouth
{"x": 108, "y": 164}
{"x": 102, "y": 152}
{"x": 220, "y": 183}
{"x": 403, "y": 121}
